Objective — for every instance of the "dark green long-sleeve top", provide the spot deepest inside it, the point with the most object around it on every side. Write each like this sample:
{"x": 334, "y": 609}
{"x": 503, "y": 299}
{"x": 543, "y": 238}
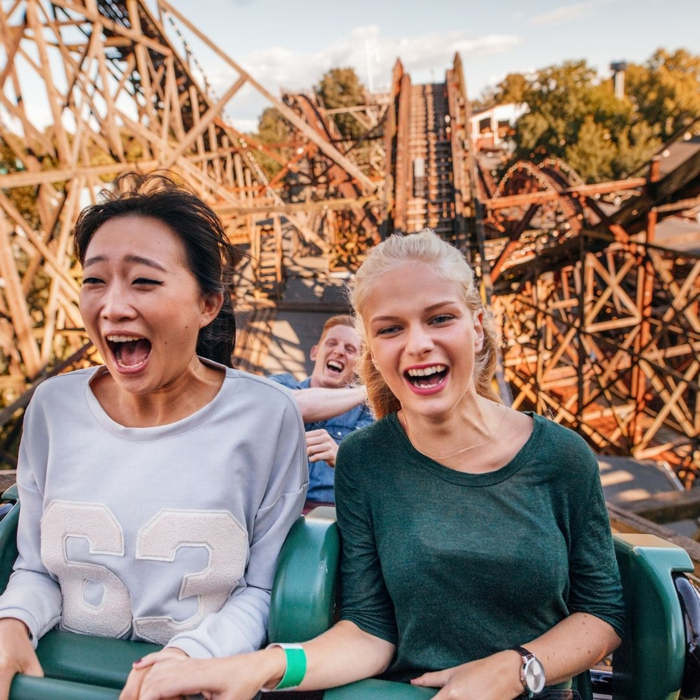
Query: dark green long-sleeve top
{"x": 452, "y": 566}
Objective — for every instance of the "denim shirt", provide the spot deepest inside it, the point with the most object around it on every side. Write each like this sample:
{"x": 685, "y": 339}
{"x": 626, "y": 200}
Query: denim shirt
{"x": 321, "y": 475}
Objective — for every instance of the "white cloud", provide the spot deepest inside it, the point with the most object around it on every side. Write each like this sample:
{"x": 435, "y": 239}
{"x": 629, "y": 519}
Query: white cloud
{"x": 565, "y": 13}
{"x": 245, "y": 125}
{"x": 371, "y": 54}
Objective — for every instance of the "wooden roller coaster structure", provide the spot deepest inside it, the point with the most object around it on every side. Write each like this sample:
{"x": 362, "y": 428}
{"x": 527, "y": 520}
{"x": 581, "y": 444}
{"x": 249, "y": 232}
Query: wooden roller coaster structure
{"x": 599, "y": 313}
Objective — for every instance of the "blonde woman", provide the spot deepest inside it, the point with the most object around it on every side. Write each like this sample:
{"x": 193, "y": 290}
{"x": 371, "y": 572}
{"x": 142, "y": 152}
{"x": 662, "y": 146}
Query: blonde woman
{"x": 477, "y": 555}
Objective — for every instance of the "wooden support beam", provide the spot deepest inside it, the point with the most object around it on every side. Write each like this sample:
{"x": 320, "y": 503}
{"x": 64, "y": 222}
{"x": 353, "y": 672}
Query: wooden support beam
{"x": 17, "y": 304}
{"x": 285, "y": 111}
{"x": 203, "y": 124}
{"x": 70, "y": 285}
{"x": 520, "y": 200}
{"x": 51, "y": 92}
{"x": 119, "y": 29}
{"x": 513, "y": 242}
{"x": 26, "y": 177}
{"x": 330, "y": 204}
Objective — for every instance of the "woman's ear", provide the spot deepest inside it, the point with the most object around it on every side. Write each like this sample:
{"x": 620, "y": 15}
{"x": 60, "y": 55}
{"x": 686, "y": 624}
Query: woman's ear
{"x": 210, "y": 307}
{"x": 478, "y": 317}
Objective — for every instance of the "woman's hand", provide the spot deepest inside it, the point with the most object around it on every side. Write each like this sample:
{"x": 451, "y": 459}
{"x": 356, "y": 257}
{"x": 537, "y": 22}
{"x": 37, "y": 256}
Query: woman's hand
{"x": 232, "y": 678}
{"x": 496, "y": 677}
{"x": 143, "y": 667}
{"x": 16, "y": 654}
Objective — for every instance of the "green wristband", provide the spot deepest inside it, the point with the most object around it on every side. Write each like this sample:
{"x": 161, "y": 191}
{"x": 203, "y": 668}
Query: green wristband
{"x": 296, "y": 666}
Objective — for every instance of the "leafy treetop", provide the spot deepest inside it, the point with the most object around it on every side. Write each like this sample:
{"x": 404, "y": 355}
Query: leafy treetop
{"x": 574, "y": 115}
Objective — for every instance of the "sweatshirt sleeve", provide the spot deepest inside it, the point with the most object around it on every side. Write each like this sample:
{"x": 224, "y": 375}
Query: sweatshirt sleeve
{"x": 32, "y": 594}
{"x": 241, "y": 624}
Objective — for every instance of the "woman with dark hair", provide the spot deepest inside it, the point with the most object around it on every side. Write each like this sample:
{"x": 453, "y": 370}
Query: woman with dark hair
{"x": 151, "y": 508}
{"x": 477, "y": 560}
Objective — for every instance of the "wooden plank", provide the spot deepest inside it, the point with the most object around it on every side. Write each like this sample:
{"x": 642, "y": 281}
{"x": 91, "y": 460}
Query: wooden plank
{"x": 51, "y": 92}
{"x": 213, "y": 148}
{"x": 7, "y": 478}
{"x": 21, "y": 319}
{"x": 11, "y": 47}
{"x": 70, "y": 284}
{"x": 286, "y": 112}
{"x": 668, "y": 506}
{"x": 143, "y": 62}
{"x": 521, "y": 200}
{"x": 69, "y": 215}
{"x": 24, "y": 178}
{"x": 112, "y": 128}
{"x": 679, "y": 295}
{"x": 203, "y": 124}
{"x": 120, "y": 29}
{"x": 634, "y": 210}
{"x": 194, "y": 108}
{"x": 669, "y": 401}
{"x": 173, "y": 98}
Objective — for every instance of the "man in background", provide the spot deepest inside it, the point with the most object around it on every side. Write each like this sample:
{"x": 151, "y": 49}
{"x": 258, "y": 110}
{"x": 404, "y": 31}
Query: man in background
{"x": 330, "y": 406}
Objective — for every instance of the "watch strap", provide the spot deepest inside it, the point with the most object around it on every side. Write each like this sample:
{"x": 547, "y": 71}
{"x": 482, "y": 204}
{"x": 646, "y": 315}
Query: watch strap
{"x": 525, "y": 653}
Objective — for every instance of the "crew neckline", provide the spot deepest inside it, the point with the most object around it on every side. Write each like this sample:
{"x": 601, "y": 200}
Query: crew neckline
{"x": 151, "y": 431}
{"x": 466, "y": 478}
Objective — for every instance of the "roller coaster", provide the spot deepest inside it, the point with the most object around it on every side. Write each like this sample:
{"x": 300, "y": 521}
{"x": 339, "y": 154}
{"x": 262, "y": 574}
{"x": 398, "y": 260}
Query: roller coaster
{"x": 596, "y": 301}
{"x": 595, "y": 287}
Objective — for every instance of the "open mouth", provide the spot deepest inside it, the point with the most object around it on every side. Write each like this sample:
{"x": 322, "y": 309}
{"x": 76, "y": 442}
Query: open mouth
{"x": 335, "y": 366}
{"x": 430, "y": 377}
{"x": 130, "y": 352}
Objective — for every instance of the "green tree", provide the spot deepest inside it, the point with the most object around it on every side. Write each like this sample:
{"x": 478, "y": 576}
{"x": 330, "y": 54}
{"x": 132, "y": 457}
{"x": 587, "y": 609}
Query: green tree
{"x": 338, "y": 88}
{"x": 575, "y": 116}
{"x": 510, "y": 89}
{"x": 274, "y": 130}
{"x": 592, "y": 152}
{"x": 635, "y": 145}
{"x": 666, "y": 90}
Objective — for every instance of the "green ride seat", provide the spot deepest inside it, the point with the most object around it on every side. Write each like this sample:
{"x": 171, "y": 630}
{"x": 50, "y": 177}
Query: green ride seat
{"x": 10, "y": 494}
{"x": 303, "y": 594}
{"x": 53, "y": 689}
{"x": 82, "y": 667}
{"x": 648, "y": 665}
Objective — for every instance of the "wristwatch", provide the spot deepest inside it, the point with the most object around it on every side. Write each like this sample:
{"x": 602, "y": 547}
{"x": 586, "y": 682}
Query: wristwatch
{"x": 531, "y": 672}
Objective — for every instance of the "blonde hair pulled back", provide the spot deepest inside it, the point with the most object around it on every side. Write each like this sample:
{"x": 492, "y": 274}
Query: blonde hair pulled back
{"x": 447, "y": 261}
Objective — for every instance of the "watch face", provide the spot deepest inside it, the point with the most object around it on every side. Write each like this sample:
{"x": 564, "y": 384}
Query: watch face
{"x": 533, "y": 675}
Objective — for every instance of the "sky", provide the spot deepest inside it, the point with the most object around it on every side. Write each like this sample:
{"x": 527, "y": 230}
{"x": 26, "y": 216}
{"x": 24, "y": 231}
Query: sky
{"x": 289, "y": 45}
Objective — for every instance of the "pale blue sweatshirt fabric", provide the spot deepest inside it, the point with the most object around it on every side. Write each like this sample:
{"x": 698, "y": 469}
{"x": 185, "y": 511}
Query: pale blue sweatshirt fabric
{"x": 168, "y": 534}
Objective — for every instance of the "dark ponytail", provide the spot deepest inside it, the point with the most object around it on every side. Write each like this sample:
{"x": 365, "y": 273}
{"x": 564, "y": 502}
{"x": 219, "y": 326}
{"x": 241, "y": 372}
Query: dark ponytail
{"x": 210, "y": 256}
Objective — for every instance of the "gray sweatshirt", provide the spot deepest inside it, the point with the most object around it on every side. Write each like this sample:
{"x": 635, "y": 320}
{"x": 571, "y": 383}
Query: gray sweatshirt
{"x": 168, "y": 534}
